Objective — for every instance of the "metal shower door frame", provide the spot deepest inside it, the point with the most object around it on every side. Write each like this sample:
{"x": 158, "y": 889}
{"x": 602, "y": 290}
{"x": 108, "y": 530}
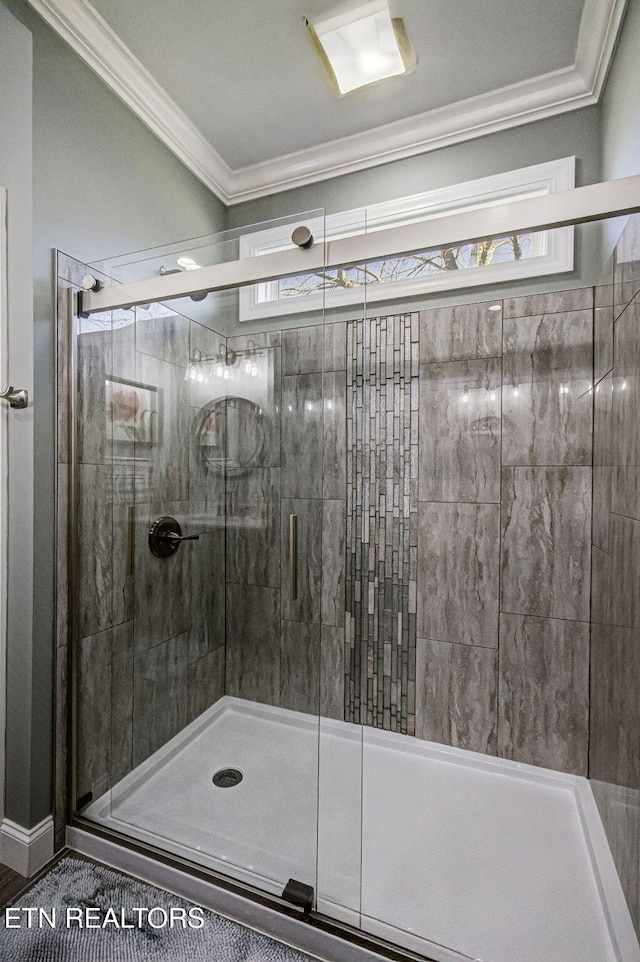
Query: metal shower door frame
{"x": 567, "y": 208}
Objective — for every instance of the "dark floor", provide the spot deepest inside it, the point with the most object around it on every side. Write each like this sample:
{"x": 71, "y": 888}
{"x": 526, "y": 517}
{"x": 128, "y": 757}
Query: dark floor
{"x": 13, "y": 885}
{"x": 10, "y": 884}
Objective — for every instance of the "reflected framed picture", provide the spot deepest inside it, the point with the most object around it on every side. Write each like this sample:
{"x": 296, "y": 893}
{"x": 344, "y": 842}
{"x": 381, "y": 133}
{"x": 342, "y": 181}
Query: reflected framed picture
{"x": 132, "y": 414}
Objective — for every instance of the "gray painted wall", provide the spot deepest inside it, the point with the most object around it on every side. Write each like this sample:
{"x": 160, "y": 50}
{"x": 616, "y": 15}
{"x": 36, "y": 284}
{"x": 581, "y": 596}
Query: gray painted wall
{"x": 620, "y": 105}
{"x": 102, "y": 184}
{"x": 25, "y": 687}
{"x": 572, "y": 134}
{"x": 620, "y": 115}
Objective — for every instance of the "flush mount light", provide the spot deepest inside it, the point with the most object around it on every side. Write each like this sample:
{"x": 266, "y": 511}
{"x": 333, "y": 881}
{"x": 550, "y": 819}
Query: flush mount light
{"x": 362, "y": 45}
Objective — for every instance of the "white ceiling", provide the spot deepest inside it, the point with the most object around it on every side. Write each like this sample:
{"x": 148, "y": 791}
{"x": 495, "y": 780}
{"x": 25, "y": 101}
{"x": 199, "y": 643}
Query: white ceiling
{"x": 236, "y": 90}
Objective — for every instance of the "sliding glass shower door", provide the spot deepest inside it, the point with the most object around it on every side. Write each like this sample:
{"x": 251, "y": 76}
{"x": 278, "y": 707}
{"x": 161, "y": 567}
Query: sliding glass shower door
{"x": 204, "y": 510}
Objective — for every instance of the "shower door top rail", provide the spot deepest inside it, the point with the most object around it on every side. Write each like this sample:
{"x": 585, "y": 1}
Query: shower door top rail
{"x": 566, "y": 208}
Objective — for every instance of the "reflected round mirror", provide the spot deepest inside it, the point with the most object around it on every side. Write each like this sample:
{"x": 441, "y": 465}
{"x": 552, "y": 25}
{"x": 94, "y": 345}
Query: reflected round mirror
{"x": 230, "y": 435}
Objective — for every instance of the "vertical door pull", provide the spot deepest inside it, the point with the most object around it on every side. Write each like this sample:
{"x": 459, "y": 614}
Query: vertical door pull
{"x": 131, "y": 540}
{"x": 293, "y": 557}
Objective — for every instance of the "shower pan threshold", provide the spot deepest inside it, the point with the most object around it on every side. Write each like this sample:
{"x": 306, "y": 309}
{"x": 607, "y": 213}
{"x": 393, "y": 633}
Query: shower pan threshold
{"x": 420, "y": 844}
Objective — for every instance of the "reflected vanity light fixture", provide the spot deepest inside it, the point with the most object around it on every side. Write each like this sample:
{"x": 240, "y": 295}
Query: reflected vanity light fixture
{"x": 362, "y": 45}
{"x": 222, "y": 364}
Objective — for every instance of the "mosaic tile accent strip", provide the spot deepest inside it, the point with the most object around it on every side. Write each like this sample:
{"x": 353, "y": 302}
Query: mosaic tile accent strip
{"x": 382, "y": 521}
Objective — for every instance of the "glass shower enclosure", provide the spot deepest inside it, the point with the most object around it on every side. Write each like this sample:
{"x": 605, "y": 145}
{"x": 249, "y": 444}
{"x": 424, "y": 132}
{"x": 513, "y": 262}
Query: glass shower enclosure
{"x": 335, "y": 595}
{"x": 210, "y": 494}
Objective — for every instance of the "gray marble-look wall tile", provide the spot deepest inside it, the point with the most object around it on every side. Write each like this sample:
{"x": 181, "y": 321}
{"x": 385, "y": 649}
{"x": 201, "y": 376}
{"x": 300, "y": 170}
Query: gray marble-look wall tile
{"x": 464, "y": 331}
{"x": 123, "y": 350}
{"x": 580, "y": 299}
{"x": 625, "y": 426}
{"x": 302, "y": 436}
{"x": 608, "y": 751}
{"x": 625, "y": 490}
{"x": 459, "y": 449}
{"x": 544, "y": 692}
{"x": 206, "y": 588}
{"x": 271, "y": 405}
{"x": 456, "y": 695}
{"x": 615, "y": 707}
{"x": 106, "y": 372}
{"x": 602, "y": 493}
{"x": 62, "y": 748}
{"x": 62, "y": 555}
{"x": 334, "y": 521}
{"x": 335, "y": 346}
{"x": 300, "y": 667}
{"x": 619, "y": 809}
{"x": 206, "y": 470}
{"x": 162, "y": 467}
{"x": 302, "y": 350}
{"x": 253, "y": 528}
{"x": 603, "y": 291}
{"x": 546, "y": 397}
{"x": 603, "y": 331}
{"x": 603, "y": 430}
{"x": 307, "y": 606}
{"x": 244, "y": 342}
{"x": 332, "y": 670}
{"x": 123, "y": 550}
{"x": 253, "y": 643}
{"x": 93, "y": 756}
{"x": 161, "y": 595}
{"x": 165, "y": 337}
{"x": 160, "y": 696}
{"x": 334, "y": 465}
{"x": 626, "y": 265}
{"x": 458, "y": 573}
{"x": 624, "y": 584}
{"x": 95, "y": 549}
{"x": 602, "y": 580}
{"x": 205, "y": 683}
{"x": 72, "y": 270}
{"x": 122, "y": 675}
{"x": 625, "y": 293}
{"x": 94, "y": 365}
{"x": 546, "y": 541}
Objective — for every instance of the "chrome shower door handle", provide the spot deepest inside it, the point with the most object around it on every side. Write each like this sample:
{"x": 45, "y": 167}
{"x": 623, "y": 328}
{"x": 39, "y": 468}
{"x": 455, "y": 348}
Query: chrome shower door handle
{"x": 17, "y": 397}
{"x": 293, "y": 557}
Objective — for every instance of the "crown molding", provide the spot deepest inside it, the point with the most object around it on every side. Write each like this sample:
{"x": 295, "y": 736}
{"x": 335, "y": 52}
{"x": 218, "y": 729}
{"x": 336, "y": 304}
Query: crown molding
{"x": 599, "y": 29}
{"x": 81, "y": 26}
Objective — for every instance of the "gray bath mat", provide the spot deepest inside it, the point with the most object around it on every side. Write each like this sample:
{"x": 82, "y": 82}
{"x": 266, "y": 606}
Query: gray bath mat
{"x": 130, "y": 922}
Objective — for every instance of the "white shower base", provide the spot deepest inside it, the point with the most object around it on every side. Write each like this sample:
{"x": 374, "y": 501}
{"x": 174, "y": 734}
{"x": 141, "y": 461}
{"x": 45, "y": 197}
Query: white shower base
{"x": 449, "y": 853}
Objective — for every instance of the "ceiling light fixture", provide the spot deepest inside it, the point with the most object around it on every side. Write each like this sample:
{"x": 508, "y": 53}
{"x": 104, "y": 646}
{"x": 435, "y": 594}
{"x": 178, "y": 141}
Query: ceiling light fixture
{"x": 363, "y": 45}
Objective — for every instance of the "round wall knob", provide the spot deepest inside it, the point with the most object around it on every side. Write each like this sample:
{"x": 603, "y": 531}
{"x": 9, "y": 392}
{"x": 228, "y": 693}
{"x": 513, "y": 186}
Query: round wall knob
{"x": 303, "y": 237}
{"x": 91, "y": 283}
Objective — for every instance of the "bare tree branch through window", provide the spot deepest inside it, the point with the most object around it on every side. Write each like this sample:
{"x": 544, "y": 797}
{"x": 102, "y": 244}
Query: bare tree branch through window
{"x": 491, "y": 250}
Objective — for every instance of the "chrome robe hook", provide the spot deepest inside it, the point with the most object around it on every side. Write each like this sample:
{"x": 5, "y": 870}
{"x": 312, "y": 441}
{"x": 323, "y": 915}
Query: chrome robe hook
{"x": 17, "y": 397}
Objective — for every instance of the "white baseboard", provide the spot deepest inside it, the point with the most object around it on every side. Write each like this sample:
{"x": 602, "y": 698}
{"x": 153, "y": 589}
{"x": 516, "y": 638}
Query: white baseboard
{"x": 26, "y": 850}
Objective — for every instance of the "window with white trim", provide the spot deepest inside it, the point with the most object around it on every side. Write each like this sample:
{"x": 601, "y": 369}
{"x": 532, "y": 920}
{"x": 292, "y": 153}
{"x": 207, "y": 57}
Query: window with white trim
{"x": 489, "y": 261}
